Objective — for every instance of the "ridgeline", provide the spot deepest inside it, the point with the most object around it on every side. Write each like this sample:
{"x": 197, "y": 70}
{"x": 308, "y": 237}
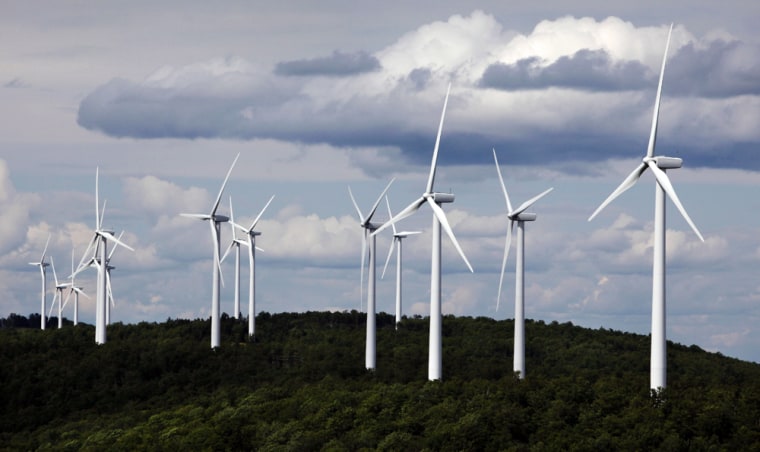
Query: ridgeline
{"x": 302, "y": 386}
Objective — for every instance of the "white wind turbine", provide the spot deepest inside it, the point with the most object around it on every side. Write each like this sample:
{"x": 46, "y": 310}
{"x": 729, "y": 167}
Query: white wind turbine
{"x": 75, "y": 290}
{"x": 520, "y": 216}
{"x": 368, "y": 227}
{"x": 110, "y": 302}
{"x": 214, "y": 221}
{"x": 397, "y": 238}
{"x": 99, "y": 243}
{"x": 235, "y": 242}
{"x": 59, "y": 287}
{"x": 250, "y": 242}
{"x": 434, "y": 200}
{"x": 42, "y": 265}
{"x": 658, "y": 165}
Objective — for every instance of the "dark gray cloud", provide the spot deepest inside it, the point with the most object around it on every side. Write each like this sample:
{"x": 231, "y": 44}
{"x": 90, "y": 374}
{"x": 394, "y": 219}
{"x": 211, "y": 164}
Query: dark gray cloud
{"x": 336, "y": 65}
{"x": 589, "y": 70}
{"x": 722, "y": 69}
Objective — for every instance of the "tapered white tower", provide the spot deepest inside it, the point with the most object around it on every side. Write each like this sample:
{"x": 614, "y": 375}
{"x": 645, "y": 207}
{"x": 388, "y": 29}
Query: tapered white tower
{"x": 658, "y": 165}
{"x": 519, "y": 216}
{"x": 214, "y": 221}
{"x": 369, "y": 245}
{"x": 434, "y": 200}
{"x": 43, "y": 274}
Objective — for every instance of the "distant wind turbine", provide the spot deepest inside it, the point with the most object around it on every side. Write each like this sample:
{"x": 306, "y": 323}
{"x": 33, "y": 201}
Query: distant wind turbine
{"x": 42, "y": 265}
{"x": 250, "y": 242}
{"x": 215, "y": 220}
{"x": 397, "y": 237}
{"x": 368, "y": 243}
{"x": 658, "y": 165}
{"x": 99, "y": 243}
{"x": 520, "y": 216}
{"x": 434, "y": 200}
{"x": 234, "y": 242}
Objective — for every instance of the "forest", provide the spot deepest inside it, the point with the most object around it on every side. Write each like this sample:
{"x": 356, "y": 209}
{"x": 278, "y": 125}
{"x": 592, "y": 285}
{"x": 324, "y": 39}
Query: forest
{"x": 301, "y": 385}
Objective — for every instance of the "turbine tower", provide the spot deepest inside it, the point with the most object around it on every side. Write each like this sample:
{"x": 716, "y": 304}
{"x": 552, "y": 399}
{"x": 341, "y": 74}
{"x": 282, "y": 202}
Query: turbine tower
{"x": 99, "y": 244}
{"x": 658, "y": 165}
{"x": 397, "y": 237}
{"x": 250, "y": 242}
{"x": 434, "y": 200}
{"x": 368, "y": 227}
{"x": 235, "y": 242}
{"x": 214, "y": 221}
{"x": 42, "y": 265}
{"x": 520, "y": 216}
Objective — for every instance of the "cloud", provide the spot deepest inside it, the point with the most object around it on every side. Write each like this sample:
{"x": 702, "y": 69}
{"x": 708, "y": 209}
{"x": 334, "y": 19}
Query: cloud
{"x": 573, "y": 90}
{"x": 336, "y": 65}
{"x": 590, "y": 70}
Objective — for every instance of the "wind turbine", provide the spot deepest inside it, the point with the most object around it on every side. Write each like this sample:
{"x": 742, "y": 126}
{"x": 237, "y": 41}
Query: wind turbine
{"x": 99, "y": 243}
{"x": 235, "y": 242}
{"x": 520, "y": 216}
{"x": 434, "y": 200}
{"x": 397, "y": 237}
{"x": 75, "y": 290}
{"x": 370, "y": 353}
{"x": 214, "y": 220}
{"x": 658, "y": 165}
{"x": 42, "y": 265}
{"x": 110, "y": 302}
{"x": 250, "y": 242}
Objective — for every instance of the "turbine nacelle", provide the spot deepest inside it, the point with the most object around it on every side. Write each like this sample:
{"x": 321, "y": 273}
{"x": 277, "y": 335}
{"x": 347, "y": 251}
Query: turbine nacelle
{"x": 524, "y": 216}
{"x": 442, "y": 198}
{"x": 663, "y": 162}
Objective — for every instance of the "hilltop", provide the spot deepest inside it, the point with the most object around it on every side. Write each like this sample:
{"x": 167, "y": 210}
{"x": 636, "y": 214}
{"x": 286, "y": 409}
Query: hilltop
{"x": 301, "y": 385}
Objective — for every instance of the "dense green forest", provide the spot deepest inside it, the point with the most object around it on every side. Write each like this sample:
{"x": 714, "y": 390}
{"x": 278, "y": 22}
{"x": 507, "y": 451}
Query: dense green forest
{"x": 301, "y": 385}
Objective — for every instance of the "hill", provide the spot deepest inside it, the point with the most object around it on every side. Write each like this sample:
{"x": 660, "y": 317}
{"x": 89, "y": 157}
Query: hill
{"x": 302, "y": 386}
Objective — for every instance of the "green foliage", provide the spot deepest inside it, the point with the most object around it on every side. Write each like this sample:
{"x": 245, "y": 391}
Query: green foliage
{"x": 301, "y": 385}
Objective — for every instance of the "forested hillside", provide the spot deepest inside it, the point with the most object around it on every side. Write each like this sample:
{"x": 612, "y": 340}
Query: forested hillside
{"x": 302, "y": 386}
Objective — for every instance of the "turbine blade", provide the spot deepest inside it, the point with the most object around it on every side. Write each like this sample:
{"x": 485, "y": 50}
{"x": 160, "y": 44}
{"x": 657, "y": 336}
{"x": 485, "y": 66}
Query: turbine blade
{"x": 388, "y": 259}
{"x": 524, "y": 206}
{"x": 55, "y": 277}
{"x": 110, "y": 237}
{"x": 200, "y": 216}
{"x": 410, "y": 209}
{"x": 434, "y": 163}
{"x": 629, "y": 182}
{"x": 656, "y": 114}
{"x": 260, "y": 249}
{"x": 66, "y": 301}
{"x": 81, "y": 292}
{"x": 52, "y": 305}
{"x": 114, "y": 248}
{"x": 215, "y": 239}
{"x": 361, "y": 217}
{"x": 42, "y": 259}
{"x": 507, "y": 244}
{"x": 232, "y": 220}
{"x": 258, "y": 217}
{"x": 501, "y": 179}
{"x": 390, "y": 215}
{"x": 664, "y": 181}
{"x": 102, "y": 213}
{"x": 97, "y": 202}
{"x": 379, "y": 198}
{"x": 441, "y": 215}
{"x": 232, "y": 243}
{"x": 219, "y": 196}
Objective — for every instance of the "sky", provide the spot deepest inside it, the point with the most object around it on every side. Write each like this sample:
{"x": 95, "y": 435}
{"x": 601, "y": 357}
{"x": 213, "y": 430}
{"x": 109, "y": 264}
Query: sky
{"x": 318, "y": 96}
